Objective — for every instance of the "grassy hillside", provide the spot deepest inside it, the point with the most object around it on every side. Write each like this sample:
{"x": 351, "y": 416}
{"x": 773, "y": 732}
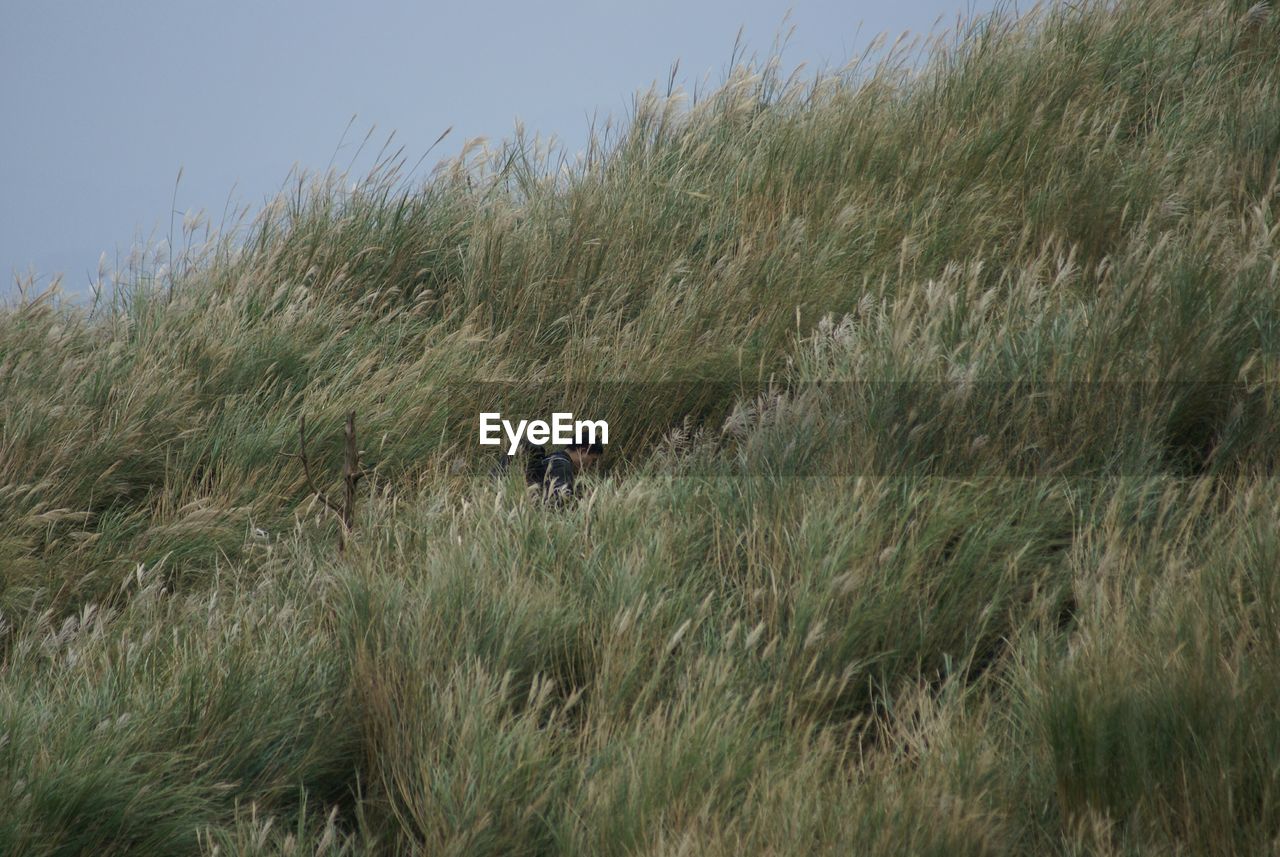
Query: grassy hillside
{"x": 941, "y": 515}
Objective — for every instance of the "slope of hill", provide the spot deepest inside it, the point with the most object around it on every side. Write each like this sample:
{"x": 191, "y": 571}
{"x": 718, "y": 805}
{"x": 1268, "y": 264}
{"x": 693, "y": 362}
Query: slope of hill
{"x": 941, "y": 516}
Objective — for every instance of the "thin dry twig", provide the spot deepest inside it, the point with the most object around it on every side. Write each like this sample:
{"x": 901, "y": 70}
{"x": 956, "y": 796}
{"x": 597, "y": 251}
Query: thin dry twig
{"x": 351, "y": 476}
{"x": 306, "y": 468}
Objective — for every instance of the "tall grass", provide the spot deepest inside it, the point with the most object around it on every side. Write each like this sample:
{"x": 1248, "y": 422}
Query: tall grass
{"x": 939, "y": 516}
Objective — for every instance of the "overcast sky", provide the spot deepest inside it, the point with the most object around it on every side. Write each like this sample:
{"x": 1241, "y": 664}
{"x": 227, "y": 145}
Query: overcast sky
{"x": 102, "y": 103}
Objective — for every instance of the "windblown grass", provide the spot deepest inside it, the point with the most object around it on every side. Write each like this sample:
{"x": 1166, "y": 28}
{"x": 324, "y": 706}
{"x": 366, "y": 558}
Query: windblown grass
{"x": 941, "y": 514}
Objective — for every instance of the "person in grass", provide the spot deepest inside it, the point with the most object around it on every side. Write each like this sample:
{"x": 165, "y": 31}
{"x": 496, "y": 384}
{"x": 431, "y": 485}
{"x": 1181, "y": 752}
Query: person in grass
{"x": 555, "y": 475}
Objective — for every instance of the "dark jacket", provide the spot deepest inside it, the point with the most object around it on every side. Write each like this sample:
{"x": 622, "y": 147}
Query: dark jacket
{"x": 551, "y": 473}
{"x": 557, "y": 476}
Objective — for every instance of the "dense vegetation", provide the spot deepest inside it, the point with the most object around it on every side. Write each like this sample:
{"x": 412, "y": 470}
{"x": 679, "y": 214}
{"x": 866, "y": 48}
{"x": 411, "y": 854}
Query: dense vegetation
{"x": 941, "y": 517}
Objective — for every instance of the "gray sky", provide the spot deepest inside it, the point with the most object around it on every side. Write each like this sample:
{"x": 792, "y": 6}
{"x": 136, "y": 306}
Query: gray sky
{"x": 101, "y": 103}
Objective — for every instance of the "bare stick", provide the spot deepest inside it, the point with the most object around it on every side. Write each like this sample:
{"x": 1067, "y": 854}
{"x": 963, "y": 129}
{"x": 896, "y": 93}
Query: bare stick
{"x": 306, "y": 468}
{"x": 351, "y": 472}
{"x": 351, "y": 476}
